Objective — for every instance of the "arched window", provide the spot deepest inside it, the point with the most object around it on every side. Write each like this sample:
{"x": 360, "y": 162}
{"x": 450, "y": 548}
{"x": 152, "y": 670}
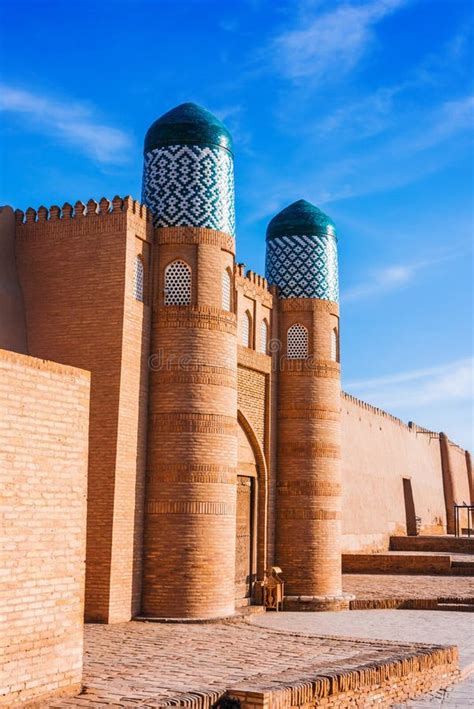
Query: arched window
{"x": 246, "y": 329}
{"x": 297, "y": 342}
{"x": 334, "y": 345}
{"x": 138, "y": 279}
{"x": 264, "y": 337}
{"x": 226, "y": 290}
{"x": 177, "y": 283}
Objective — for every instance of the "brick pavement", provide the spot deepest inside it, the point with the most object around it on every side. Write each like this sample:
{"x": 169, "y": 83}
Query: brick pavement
{"x": 399, "y": 586}
{"x": 148, "y": 664}
{"x": 440, "y": 627}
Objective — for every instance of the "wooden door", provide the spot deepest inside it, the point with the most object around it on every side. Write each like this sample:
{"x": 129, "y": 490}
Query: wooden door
{"x": 243, "y": 546}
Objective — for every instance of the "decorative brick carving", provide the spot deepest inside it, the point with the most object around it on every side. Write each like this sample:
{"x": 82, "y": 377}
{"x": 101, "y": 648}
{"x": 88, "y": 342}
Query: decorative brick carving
{"x": 313, "y": 450}
{"x": 193, "y": 423}
{"x": 190, "y": 508}
{"x": 304, "y": 513}
{"x": 304, "y": 487}
{"x": 189, "y": 235}
{"x": 197, "y": 316}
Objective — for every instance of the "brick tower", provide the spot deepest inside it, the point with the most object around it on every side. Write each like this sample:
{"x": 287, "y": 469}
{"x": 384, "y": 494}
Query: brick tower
{"x": 302, "y": 261}
{"x": 189, "y": 553}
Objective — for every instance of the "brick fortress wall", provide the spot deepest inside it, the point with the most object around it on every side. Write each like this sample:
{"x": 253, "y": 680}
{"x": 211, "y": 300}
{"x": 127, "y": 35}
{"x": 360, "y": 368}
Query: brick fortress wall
{"x": 379, "y": 451}
{"x": 75, "y": 267}
{"x": 44, "y": 410}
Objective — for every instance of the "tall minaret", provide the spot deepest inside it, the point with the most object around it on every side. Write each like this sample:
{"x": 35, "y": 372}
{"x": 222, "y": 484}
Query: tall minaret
{"x": 302, "y": 261}
{"x": 189, "y": 551}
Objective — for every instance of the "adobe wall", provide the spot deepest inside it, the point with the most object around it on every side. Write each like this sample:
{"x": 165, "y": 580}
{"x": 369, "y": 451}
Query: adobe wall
{"x": 461, "y": 491}
{"x": 378, "y": 451}
{"x": 75, "y": 266}
{"x": 460, "y": 480}
{"x": 44, "y": 411}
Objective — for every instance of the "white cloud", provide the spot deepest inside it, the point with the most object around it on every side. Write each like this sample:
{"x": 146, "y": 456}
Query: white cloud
{"x": 73, "y": 123}
{"x": 446, "y": 120}
{"x": 361, "y": 119}
{"x": 389, "y": 278}
{"x": 409, "y": 376}
{"x": 332, "y": 42}
{"x": 432, "y": 397}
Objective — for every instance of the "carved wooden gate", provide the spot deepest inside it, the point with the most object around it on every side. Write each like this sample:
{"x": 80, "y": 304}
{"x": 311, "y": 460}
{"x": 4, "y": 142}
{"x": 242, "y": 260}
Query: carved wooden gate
{"x": 243, "y": 548}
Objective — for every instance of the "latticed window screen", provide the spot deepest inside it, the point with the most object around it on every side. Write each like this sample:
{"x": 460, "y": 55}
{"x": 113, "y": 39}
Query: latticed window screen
{"x": 226, "y": 291}
{"x": 334, "y": 344}
{"x": 178, "y": 283}
{"x": 246, "y": 329}
{"x": 297, "y": 342}
{"x": 138, "y": 279}
{"x": 264, "y": 337}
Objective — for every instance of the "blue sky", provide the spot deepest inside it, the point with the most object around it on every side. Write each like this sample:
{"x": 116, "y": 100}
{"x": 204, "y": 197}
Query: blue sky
{"x": 363, "y": 107}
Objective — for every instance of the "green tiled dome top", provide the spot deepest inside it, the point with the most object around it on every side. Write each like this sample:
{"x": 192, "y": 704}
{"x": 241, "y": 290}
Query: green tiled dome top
{"x": 187, "y": 124}
{"x": 300, "y": 218}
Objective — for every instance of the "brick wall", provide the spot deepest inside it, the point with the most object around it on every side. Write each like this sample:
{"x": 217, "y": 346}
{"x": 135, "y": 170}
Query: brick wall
{"x": 190, "y": 531}
{"x": 12, "y": 314}
{"x": 256, "y": 401}
{"x": 43, "y": 460}
{"x": 251, "y": 399}
{"x": 460, "y": 480}
{"x": 309, "y": 458}
{"x": 378, "y": 452}
{"x": 76, "y": 269}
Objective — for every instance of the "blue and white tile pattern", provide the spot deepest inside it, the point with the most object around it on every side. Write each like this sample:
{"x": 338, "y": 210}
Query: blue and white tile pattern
{"x": 190, "y": 185}
{"x": 304, "y": 266}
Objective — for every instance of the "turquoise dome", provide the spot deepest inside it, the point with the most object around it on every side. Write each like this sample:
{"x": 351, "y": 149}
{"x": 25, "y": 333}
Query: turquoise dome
{"x": 187, "y": 124}
{"x": 301, "y": 256}
{"x": 300, "y": 218}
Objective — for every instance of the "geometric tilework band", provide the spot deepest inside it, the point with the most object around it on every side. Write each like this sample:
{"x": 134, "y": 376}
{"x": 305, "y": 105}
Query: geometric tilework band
{"x": 304, "y": 266}
{"x": 190, "y": 185}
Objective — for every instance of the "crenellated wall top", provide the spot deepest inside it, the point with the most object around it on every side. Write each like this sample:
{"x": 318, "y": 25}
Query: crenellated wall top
{"x": 81, "y": 219}
{"x": 253, "y": 285}
{"x": 81, "y": 210}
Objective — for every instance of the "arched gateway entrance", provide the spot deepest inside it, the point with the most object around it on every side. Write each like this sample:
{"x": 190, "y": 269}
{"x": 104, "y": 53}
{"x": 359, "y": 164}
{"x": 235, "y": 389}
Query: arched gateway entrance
{"x": 250, "y": 517}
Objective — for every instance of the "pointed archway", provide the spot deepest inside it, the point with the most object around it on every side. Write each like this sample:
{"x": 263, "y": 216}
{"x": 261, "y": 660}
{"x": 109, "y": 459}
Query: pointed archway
{"x": 251, "y": 522}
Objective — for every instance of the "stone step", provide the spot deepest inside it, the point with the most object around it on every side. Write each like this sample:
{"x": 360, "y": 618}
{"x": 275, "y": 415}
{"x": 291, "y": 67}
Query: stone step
{"x": 433, "y": 543}
{"x": 409, "y": 563}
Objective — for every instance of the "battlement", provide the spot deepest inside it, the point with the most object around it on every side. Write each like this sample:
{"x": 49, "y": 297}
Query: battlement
{"x": 253, "y": 277}
{"x": 373, "y": 409}
{"x": 421, "y": 429}
{"x": 253, "y": 285}
{"x": 81, "y": 210}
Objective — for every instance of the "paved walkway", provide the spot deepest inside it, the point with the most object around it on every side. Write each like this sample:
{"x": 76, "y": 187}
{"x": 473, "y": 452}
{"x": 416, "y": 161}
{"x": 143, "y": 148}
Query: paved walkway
{"x": 440, "y": 627}
{"x": 153, "y": 665}
{"x": 398, "y": 586}
{"x": 432, "y": 627}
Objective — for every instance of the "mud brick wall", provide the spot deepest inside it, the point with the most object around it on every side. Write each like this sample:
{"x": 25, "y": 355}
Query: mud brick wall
{"x": 44, "y": 409}
{"x": 378, "y": 451}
